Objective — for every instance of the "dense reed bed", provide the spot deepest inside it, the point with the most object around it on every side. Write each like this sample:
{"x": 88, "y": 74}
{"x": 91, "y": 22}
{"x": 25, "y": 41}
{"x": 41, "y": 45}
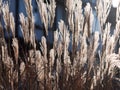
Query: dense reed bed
{"x": 90, "y": 64}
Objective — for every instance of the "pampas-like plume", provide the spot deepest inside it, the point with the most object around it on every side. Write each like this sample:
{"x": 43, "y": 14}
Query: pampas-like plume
{"x": 12, "y": 26}
{"x": 64, "y": 38}
{"x": 28, "y": 4}
{"x": 22, "y": 68}
{"x": 47, "y": 13}
{"x": 103, "y": 9}
{"x": 15, "y": 49}
{"x": 87, "y": 13}
{"x": 24, "y": 27}
{"x": 43, "y": 13}
{"x": 8, "y": 19}
{"x": 106, "y": 34}
{"x": 114, "y": 60}
{"x": 6, "y": 15}
{"x": 6, "y": 59}
{"x": 93, "y": 50}
{"x": 74, "y": 63}
{"x": 44, "y": 50}
{"x": 70, "y": 10}
{"x": 5, "y": 10}
{"x": 56, "y": 38}
{"x": 51, "y": 12}
{"x": 78, "y": 21}
{"x": 52, "y": 58}
{"x": 96, "y": 42}
{"x": 39, "y": 65}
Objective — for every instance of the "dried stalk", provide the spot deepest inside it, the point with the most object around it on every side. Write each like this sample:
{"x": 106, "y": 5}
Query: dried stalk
{"x": 47, "y": 13}
{"x": 31, "y": 39}
{"x": 60, "y": 68}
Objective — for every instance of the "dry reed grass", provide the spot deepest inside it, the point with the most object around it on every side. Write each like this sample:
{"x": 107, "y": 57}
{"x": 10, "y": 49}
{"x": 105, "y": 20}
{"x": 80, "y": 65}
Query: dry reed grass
{"x": 82, "y": 68}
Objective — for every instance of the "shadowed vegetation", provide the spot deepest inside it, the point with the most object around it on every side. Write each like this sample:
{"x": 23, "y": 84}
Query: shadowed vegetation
{"x": 78, "y": 59}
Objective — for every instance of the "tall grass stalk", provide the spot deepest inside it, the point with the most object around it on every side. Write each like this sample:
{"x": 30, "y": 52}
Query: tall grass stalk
{"x": 82, "y": 67}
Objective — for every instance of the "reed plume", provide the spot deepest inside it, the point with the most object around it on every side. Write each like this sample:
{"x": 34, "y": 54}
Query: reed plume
{"x": 79, "y": 58}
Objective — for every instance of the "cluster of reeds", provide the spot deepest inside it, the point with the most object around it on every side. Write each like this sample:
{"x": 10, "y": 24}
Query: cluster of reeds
{"x": 90, "y": 64}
